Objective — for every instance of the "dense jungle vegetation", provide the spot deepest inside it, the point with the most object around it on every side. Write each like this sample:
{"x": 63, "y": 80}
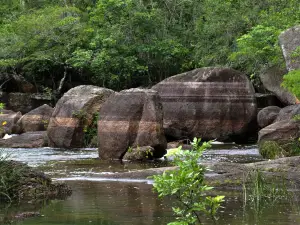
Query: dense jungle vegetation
{"x": 128, "y": 43}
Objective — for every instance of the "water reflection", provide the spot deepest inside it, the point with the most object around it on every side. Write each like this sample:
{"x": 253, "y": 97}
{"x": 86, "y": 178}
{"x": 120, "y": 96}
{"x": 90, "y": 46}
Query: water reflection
{"x": 106, "y": 203}
{"x": 118, "y": 203}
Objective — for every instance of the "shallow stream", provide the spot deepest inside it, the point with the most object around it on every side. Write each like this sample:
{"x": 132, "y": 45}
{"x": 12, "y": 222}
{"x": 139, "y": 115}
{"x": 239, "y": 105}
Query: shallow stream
{"x": 101, "y": 201}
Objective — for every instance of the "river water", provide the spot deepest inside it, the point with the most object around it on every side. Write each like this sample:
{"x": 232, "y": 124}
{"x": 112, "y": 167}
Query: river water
{"x": 99, "y": 201}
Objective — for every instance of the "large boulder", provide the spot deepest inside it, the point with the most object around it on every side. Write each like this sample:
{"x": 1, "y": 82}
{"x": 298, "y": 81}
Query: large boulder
{"x": 290, "y": 43}
{"x": 267, "y": 115}
{"x": 74, "y": 113}
{"x": 36, "y": 139}
{"x": 211, "y": 103}
{"x": 272, "y": 79}
{"x": 288, "y": 113}
{"x": 280, "y": 139}
{"x": 8, "y": 120}
{"x": 35, "y": 120}
{"x": 130, "y": 119}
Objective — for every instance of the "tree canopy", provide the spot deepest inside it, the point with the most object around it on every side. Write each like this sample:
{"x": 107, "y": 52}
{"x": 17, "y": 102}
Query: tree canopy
{"x": 128, "y": 43}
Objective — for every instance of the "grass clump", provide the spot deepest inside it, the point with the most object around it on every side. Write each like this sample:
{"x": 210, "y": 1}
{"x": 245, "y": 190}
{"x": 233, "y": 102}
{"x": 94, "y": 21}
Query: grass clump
{"x": 270, "y": 150}
{"x": 273, "y": 149}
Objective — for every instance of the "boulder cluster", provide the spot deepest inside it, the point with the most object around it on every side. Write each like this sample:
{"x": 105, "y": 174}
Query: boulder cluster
{"x": 213, "y": 103}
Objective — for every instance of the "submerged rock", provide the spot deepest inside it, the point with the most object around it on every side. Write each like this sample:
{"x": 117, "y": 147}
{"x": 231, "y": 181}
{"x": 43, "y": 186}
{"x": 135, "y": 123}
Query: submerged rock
{"x": 211, "y": 103}
{"x": 73, "y": 113}
{"x": 132, "y": 118}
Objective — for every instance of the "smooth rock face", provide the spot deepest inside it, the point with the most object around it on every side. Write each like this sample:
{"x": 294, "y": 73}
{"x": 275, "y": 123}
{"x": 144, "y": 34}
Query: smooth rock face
{"x": 209, "y": 103}
{"x": 267, "y": 115}
{"x": 289, "y": 42}
{"x": 35, "y": 120}
{"x": 72, "y": 113}
{"x": 288, "y": 113}
{"x": 8, "y": 121}
{"x": 26, "y": 140}
{"x": 132, "y": 118}
{"x": 272, "y": 79}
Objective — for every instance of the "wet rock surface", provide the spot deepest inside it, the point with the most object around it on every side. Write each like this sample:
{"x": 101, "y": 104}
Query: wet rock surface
{"x": 227, "y": 175}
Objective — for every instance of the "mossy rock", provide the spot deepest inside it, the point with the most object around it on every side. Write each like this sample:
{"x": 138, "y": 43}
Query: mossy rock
{"x": 21, "y": 183}
{"x": 274, "y": 150}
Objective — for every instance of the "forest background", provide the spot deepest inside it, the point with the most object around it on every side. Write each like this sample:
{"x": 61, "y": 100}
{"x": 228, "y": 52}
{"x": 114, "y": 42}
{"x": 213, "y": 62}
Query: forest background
{"x": 121, "y": 44}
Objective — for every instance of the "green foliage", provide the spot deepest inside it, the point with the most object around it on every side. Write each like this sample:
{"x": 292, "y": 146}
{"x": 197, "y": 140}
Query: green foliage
{"x": 258, "y": 49}
{"x": 291, "y": 81}
{"x": 10, "y": 178}
{"x": 186, "y": 184}
{"x": 91, "y": 130}
{"x": 37, "y": 43}
{"x": 270, "y": 150}
{"x": 81, "y": 115}
{"x": 128, "y": 43}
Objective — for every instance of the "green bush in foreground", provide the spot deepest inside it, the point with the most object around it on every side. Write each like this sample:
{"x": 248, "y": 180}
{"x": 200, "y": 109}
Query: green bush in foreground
{"x": 186, "y": 185}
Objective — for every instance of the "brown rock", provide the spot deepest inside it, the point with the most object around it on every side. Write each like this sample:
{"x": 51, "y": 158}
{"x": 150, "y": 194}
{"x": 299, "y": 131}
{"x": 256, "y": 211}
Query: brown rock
{"x": 35, "y": 120}
{"x": 272, "y": 79}
{"x": 8, "y": 121}
{"x": 73, "y": 113}
{"x": 267, "y": 115}
{"x": 280, "y": 131}
{"x": 26, "y": 140}
{"x": 290, "y": 41}
{"x": 209, "y": 103}
{"x": 288, "y": 113}
{"x": 131, "y": 118}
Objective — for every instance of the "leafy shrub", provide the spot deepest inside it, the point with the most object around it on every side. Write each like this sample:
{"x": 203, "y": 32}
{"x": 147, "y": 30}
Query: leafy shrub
{"x": 291, "y": 81}
{"x": 186, "y": 184}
